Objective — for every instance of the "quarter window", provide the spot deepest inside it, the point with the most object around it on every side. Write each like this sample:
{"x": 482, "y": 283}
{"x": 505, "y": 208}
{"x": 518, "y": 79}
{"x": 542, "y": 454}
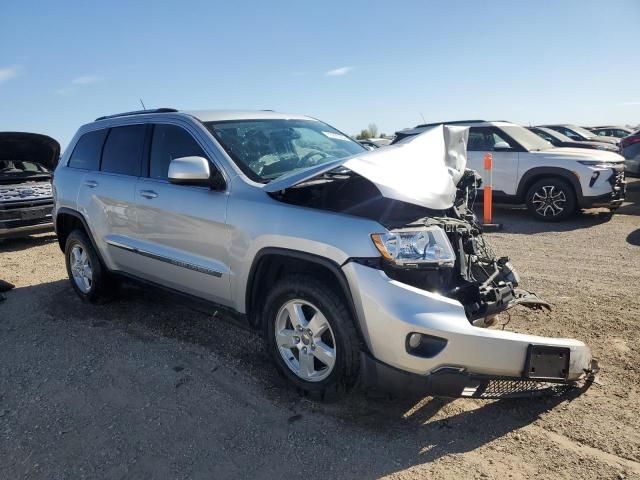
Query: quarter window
{"x": 170, "y": 142}
{"x": 86, "y": 153}
{"x": 123, "y": 150}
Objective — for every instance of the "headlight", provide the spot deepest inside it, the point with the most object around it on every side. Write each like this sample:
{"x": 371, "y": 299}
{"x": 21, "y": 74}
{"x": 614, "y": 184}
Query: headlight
{"x": 596, "y": 163}
{"x": 429, "y": 245}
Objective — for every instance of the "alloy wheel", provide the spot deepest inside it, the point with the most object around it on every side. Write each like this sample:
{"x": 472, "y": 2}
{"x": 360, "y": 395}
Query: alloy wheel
{"x": 81, "y": 269}
{"x": 549, "y": 201}
{"x": 305, "y": 340}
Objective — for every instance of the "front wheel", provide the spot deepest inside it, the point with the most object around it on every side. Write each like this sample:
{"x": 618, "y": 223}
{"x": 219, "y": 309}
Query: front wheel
{"x": 551, "y": 200}
{"x": 312, "y": 337}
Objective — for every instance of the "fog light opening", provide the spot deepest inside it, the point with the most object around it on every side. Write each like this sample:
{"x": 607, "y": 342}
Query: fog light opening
{"x": 423, "y": 345}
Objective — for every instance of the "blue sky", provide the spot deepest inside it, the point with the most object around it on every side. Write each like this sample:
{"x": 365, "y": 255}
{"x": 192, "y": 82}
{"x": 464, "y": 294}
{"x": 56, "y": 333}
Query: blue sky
{"x": 64, "y": 63}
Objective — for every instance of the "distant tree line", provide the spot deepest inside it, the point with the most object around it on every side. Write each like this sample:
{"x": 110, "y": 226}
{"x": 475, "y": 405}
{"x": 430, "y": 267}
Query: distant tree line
{"x": 370, "y": 132}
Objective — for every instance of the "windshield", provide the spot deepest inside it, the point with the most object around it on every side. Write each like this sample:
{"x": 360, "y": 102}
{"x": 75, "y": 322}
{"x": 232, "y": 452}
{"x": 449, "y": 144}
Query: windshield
{"x": 554, "y": 134}
{"x": 583, "y": 132}
{"x": 529, "y": 140}
{"x": 266, "y": 149}
{"x": 22, "y": 168}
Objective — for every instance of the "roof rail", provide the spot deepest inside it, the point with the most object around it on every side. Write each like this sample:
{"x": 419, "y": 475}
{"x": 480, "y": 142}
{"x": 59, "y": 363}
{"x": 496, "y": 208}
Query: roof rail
{"x": 455, "y": 122}
{"x": 137, "y": 112}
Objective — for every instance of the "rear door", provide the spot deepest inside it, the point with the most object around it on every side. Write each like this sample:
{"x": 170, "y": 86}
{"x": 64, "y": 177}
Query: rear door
{"x": 182, "y": 235}
{"x": 106, "y": 197}
{"x": 505, "y": 163}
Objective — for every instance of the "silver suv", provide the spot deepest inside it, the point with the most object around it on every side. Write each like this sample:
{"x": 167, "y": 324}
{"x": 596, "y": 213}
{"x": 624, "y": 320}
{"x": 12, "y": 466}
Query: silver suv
{"x": 358, "y": 266}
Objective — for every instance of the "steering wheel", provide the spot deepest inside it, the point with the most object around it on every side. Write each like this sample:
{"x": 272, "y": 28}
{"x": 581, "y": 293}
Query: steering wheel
{"x": 307, "y": 158}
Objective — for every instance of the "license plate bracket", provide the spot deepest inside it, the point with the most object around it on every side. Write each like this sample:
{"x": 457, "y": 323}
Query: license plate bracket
{"x": 546, "y": 362}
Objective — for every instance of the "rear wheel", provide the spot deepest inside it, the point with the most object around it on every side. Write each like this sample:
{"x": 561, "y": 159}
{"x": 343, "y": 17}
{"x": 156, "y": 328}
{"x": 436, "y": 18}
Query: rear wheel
{"x": 551, "y": 200}
{"x": 88, "y": 277}
{"x": 312, "y": 337}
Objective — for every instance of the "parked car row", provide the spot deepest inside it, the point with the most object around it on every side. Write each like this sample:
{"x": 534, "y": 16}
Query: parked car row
{"x": 612, "y": 138}
{"x": 612, "y": 131}
{"x": 631, "y": 151}
{"x": 553, "y": 182}
{"x": 580, "y": 134}
{"x": 558, "y": 139}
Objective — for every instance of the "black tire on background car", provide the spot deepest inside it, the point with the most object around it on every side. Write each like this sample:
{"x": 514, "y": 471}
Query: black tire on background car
{"x": 88, "y": 276}
{"x": 312, "y": 337}
{"x": 551, "y": 199}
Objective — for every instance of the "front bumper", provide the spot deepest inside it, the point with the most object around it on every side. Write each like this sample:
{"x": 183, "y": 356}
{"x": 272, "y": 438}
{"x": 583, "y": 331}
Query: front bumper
{"x": 612, "y": 200}
{"x": 388, "y": 311}
{"x": 25, "y": 218}
{"x": 456, "y": 382}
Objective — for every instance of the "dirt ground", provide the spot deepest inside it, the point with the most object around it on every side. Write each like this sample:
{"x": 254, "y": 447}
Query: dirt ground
{"x": 145, "y": 387}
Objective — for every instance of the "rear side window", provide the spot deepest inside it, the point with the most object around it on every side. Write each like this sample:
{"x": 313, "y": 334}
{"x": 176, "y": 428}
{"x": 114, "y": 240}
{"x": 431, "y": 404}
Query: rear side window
{"x": 170, "y": 142}
{"x": 123, "y": 150}
{"x": 86, "y": 153}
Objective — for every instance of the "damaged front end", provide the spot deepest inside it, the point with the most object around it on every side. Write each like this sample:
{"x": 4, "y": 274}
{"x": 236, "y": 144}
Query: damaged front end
{"x": 450, "y": 257}
{"x": 424, "y": 304}
{"x": 482, "y": 282}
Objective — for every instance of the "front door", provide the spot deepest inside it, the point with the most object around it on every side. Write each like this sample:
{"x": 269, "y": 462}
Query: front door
{"x": 182, "y": 235}
{"x": 505, "y": 163}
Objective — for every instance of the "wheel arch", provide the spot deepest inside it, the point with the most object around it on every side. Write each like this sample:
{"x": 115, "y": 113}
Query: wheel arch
{"x": 533, "y": 175}
{"x": 67, "y": 220}
{"x": 272, "y": 263}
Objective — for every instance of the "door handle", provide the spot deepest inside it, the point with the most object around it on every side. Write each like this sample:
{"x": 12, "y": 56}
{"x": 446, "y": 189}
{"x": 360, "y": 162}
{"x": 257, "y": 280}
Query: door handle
{"x": 148, "y": 194}
{"x": 91, "y": 183}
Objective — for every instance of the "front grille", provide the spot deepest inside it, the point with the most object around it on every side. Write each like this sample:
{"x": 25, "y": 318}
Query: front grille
{"x": 25, "y": 191}
{"x": 516, "y": 388}
{"x": 618, "y": 184}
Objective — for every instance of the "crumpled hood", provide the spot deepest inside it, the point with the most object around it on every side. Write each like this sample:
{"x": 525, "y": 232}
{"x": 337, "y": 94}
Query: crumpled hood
{"x": 423, "y": 170}
{"x": 32, "y": 147}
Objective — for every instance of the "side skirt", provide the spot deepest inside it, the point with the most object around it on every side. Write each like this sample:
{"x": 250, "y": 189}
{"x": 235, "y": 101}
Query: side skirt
{"x": 191, "y": 301}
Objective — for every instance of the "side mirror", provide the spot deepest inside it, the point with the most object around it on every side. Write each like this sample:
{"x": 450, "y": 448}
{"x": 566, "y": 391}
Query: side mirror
{"x": 501, "y": 147}
{"x": 190, "y": 171}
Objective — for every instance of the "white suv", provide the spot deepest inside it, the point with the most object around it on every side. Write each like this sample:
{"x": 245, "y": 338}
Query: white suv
{"x": 552, "y": 182}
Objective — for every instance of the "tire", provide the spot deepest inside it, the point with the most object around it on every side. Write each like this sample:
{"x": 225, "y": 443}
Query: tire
{"x": 293, "y": 302}
{"x": 551, "y": 200}
{"x": 94, "y": 285}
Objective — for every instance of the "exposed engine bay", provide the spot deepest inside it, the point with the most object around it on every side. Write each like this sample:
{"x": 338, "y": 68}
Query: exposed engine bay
{"x": 482, "y": 282}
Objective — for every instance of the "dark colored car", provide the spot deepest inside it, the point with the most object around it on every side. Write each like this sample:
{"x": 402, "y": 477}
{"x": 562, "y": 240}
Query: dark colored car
{"x": 631, "y": 152}
{"x": 26, "y": 196}
{"x": 557, "y": 139}
{"x": 580, "y": 134}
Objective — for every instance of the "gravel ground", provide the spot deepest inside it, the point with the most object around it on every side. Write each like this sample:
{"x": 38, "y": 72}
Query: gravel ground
{"x": 145, "y": 387}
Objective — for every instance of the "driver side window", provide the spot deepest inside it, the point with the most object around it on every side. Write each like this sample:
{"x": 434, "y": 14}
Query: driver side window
{"x": 483, "y": 139}
{"x": 170, "y": 142}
